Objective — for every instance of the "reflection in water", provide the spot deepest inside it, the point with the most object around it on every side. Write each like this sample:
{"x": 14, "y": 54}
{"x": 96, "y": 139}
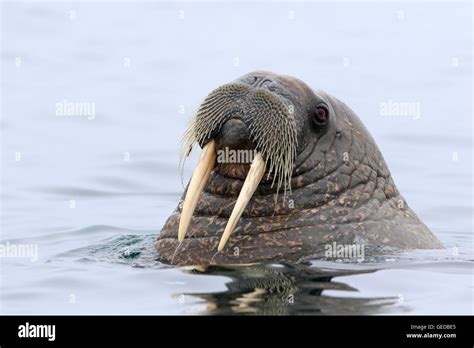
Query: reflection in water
{"x": 281, "y": 289}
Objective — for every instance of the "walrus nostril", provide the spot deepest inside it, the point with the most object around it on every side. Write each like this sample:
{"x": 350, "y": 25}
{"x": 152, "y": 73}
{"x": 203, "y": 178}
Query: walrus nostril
{"x": 234, "y": 133}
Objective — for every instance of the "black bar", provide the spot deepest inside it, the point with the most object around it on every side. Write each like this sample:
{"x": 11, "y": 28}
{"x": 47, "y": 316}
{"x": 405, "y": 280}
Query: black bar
{"x": 300, "y": 330}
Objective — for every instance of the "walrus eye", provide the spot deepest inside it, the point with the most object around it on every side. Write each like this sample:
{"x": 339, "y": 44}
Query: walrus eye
{"x": 321, "y": 115}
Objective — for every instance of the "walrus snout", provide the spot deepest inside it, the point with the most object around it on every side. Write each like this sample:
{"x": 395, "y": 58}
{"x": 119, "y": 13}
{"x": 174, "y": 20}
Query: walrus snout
{"x": 242, "y": 117}
{"x": 234, "y": 134}
{"x": 235, "y": 150}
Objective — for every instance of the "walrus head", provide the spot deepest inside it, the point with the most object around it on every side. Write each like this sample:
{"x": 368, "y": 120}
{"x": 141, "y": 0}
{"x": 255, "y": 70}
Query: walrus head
{"x": 285, "y": 171}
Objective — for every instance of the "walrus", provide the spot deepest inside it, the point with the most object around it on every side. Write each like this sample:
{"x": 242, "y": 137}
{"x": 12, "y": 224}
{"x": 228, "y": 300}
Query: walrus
{"x": 314, "y": 176}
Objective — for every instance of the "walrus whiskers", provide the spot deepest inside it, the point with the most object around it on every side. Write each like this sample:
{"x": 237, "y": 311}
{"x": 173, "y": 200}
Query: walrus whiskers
{"x": 271, "y": 126}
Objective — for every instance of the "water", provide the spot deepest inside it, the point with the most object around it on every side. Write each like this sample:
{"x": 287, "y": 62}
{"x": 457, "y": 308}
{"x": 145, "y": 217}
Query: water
{"x": 92, "y": 194}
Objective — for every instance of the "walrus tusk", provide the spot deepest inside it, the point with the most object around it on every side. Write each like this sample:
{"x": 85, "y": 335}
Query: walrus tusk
{"x": 196, "y": 186}
{"x": 257, "y": 169}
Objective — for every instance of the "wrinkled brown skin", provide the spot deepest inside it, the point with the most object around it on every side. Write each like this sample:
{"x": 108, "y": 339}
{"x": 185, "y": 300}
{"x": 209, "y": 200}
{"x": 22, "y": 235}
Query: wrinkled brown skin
{"x": 342, "y": 192}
